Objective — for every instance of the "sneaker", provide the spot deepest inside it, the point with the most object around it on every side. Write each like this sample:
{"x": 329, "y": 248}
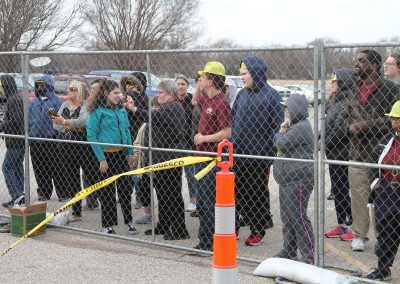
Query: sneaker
{"x": 20, "y": 200}
{"x": 74, "y": 218}
{"x": 138, "y": 205}
{"x": 191, "y": 207}
{"x": 145, "y": 219}
{"x": 254, "y": 240}
{"x": 336, "y": 232}
{"x": 194, "y": 214}
{"x": 357, "y": 244}
{"x": 330, "y": 197}
{"x": 380, "y": 274}
{"x": 157, "y": 231}
{"x": 8, "y": 204}
{"x": 205, "y": 247}
{"x": 175, "y": 236}
{"x": 63, "y": 199}
{"x": 131, "y": 229}
{"x": 347, "y": 236}
{"x": 43, "y": 198}
{"x": 108, "y": 230}
{"x": 282, "y": 254}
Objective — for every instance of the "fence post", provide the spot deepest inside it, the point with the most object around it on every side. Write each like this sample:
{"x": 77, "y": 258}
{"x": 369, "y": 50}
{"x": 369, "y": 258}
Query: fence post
{"x": 224, "y": 262}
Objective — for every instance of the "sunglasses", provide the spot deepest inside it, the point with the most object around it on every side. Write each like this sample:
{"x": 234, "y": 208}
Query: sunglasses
{"x": 72, "y": 89}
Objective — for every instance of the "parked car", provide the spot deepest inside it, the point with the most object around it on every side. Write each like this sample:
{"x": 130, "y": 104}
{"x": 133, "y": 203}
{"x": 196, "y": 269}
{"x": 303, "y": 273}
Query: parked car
{"x": 283, "y": 91}
{"x": 117, "y": 75}
{"x": 306, "y": 91}
{"x": 61, "y": 83}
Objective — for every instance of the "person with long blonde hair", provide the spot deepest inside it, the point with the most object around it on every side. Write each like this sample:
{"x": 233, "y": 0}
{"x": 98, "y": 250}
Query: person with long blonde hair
{"x": 70, "y": 123}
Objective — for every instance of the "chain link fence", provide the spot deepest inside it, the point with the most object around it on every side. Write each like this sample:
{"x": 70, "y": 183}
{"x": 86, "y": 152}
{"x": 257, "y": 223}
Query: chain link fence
{"x": 282, "y": 179}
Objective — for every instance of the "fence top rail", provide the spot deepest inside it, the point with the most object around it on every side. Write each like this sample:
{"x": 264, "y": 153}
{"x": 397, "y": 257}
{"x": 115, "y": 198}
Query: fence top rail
{"x": 160, "y": 51}
{"x": 357, "y": 45}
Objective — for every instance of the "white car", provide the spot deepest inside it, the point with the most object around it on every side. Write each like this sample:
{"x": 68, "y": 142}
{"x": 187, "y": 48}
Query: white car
{"x": 238, "y": 81}
{"x": 283, "y": 91}
{"x": 305, "y": 90}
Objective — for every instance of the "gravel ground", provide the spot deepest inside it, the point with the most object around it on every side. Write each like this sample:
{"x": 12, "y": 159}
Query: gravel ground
{"x": 61, "y": 256}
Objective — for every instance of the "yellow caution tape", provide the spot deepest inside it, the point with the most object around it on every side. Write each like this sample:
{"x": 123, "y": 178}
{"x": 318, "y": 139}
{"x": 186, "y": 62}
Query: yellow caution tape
{"x": 205, "y": 171}
{"x": 175, "y": 163}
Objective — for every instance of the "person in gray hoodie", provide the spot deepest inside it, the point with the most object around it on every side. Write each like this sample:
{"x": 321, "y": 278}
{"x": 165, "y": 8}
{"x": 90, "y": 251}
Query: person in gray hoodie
{"x": 295, "y": 179}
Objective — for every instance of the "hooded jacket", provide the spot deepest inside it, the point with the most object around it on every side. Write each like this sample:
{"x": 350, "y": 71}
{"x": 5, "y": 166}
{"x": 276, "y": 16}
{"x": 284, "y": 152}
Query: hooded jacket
{"x": 297, "y": 142}
{"x": 256, "y": 114}
{"x": 336, "y": 139}
{"x": 14, "y": 114}
{"x": 40, "y": 124}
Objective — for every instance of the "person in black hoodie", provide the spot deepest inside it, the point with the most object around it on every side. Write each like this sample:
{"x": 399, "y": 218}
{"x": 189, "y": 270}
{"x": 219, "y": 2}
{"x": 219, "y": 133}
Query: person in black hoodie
{"x": 13, "y": 164}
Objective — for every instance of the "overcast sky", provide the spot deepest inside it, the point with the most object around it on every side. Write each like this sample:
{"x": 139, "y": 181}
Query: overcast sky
{"x": 297, "y": 22}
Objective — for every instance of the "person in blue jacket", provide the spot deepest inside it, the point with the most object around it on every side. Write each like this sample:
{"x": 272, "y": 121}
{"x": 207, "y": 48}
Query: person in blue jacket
{"x": 257, "y": 116}
{"x": 44, "y": 153}
{"x": 108, "y": 123}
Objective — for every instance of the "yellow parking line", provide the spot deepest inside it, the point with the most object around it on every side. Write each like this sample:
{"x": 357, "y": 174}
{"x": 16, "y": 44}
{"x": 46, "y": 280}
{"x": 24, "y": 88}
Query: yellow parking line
{"x": 339, "y": 252}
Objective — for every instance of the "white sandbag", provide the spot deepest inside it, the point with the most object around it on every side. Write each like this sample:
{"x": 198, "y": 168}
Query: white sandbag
{"x": 299, "y": 272}
{"x": 59, "y": 219}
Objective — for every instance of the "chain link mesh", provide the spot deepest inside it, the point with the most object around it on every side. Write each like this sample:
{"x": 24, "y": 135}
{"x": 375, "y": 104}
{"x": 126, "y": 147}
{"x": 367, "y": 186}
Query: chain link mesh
{"x": 277, "y": 199}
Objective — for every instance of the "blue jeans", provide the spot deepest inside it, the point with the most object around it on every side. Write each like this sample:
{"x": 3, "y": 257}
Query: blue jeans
{"x": 13, "y": 170}
{"x": 206, "y": 194}
{"x": 190, "y": 171}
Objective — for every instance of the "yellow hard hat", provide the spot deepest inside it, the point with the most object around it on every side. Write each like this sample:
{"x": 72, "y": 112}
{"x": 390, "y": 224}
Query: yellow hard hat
{"x": 333, "y": 79}
{"x": 395, "y": 112}
{"x": 213, "y": 67}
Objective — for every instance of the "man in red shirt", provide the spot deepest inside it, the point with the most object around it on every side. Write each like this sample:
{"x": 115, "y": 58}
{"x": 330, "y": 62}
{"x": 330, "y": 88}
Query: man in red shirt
{"x": 214, "y": 126}
{"x": 367, "y": 124}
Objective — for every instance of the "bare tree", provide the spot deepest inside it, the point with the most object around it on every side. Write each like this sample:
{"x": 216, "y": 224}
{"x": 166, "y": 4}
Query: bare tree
{"x": 142, "y": 24}
{"x": 38, "y": 24}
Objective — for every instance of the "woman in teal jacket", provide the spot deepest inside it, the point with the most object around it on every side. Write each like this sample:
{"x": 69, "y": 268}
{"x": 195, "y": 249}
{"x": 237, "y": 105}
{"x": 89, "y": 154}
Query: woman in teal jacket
{"x": 108, "y": 123}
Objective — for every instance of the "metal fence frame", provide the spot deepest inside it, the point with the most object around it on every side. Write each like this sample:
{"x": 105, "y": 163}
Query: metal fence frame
{"x": 319, "y": 161}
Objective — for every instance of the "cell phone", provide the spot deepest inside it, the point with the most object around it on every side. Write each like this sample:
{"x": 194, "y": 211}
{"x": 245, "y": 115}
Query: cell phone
{"x": 51, "y": 112}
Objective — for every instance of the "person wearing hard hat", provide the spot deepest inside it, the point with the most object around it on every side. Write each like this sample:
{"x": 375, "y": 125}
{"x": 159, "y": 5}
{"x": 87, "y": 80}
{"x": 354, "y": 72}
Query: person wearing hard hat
{"x": 386, "y": 198}
{"x": 214, "y": 126}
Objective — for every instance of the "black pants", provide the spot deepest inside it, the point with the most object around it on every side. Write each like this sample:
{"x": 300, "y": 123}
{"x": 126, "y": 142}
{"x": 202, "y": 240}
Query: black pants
{"x": 387, "y": 217}
{"x": 340, "y": 190}
{"x": 46, "y": 167}
{"x": 74, "y": 157}
{"x": 252, "y": 196}
{"x": 171, "y": 208}
{"x": 90, "y": 173}
{"x": 117, "y": 164}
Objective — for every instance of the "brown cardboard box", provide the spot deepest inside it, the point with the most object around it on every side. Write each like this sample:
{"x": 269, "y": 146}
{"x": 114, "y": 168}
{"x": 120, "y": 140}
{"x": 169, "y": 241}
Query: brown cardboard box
{"x": 24, "y": 219}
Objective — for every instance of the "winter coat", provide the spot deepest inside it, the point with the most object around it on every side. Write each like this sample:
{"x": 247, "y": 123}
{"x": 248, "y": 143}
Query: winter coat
{"x": 378, "y": 103}
{"x": 40, "y": 124}
{"x": 167, "y": 131}
{"x": 336, "y": 126}
{"x": 108, "y": 125}
{"x": 257, "y": 115}
{"x": 13, "y": 122}
{"x": 297, "y": 142}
